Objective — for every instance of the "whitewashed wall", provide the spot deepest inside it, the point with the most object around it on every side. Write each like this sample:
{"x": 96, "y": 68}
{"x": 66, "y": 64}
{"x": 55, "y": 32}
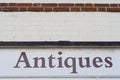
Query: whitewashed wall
{"x": 26, "y": 26}
{"x": 64, "y": 1}
{"x": 83, "y": 26}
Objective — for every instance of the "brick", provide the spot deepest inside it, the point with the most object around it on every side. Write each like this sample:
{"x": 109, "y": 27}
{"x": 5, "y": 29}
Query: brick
{"x": 37, "y": 4}
{"x": 36, "y": 9}
{"x": 101, "y": 5}
{"x": 119, "y": 5}
{"x": 61, "y": 9}
{"x": 12, "y": 4}
{"x": 113, "y": 5}
{"x": 88, "y": 9}
{"x": 24, "y": 4}
{"x": 3, "y": 4}
{"x": 22, "y": 9}
{"x": 79, "y": 5}
{"x": 49, "y": 5}
{"x": 10, "y": 9}
{"x": 102, "y": 9}
{"x": 47, "y": 9}
{"x": 75, "y": 9}
{"x": 66, "y": 5}
{"x": 113, "y": 9}
{"x": 88, "y": 5}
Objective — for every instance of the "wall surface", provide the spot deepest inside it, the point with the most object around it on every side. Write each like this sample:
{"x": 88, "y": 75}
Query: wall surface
{"x": 62, "y": 26}
{"x": 59, "y": 26}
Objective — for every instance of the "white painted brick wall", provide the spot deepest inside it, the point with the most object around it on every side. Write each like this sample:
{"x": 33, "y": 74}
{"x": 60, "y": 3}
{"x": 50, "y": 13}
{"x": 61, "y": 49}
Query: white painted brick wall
{"x": 83, "y": 26}
{"x": 64, "y": 1}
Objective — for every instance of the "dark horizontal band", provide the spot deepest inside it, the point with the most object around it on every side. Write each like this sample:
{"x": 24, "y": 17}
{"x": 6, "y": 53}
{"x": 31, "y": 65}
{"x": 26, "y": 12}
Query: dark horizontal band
{"x": 59, "y": 44}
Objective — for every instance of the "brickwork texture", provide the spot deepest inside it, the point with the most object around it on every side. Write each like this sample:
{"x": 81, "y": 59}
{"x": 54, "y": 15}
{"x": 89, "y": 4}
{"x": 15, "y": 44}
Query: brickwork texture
{"x": 59, "y": 7}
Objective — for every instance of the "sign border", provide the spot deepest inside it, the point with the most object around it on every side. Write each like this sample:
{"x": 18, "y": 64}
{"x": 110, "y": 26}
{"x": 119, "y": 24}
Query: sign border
{"x": 59, "y": 44}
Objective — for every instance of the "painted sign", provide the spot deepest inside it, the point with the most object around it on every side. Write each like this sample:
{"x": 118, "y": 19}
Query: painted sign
{"x": 47, "y": 62}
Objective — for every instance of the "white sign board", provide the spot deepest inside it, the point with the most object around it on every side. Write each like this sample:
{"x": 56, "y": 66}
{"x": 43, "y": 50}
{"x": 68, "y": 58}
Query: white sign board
{"x": 59, "y": 62}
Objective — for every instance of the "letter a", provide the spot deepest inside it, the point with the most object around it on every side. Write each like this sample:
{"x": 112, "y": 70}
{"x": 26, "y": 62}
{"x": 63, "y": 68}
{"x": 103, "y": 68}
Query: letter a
{"x": 25, "y": 60}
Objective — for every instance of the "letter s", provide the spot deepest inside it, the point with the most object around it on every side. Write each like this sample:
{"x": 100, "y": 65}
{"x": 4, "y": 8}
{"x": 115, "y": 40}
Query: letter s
{"x": 108, "y": 61}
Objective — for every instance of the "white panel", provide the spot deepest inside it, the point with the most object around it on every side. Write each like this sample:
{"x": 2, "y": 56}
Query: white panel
{"x": 64, "y": 1}
{"x": 75, "y": 26}
{"x": 109, "y": 62}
